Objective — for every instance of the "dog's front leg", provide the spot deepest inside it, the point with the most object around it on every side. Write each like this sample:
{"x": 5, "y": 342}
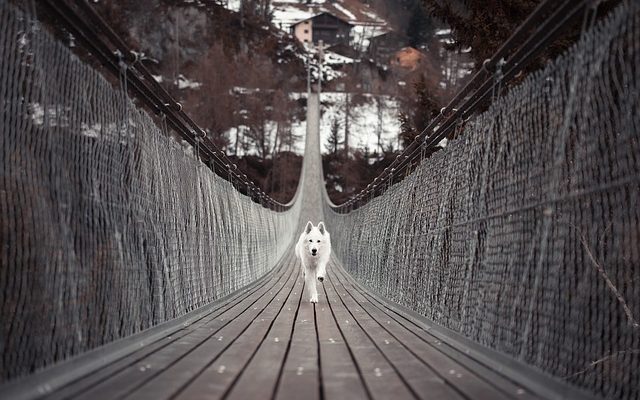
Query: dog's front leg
{"x": 322, "y": 271}
{"x": 310, "y": 282}
{"x": 304, "y": 270}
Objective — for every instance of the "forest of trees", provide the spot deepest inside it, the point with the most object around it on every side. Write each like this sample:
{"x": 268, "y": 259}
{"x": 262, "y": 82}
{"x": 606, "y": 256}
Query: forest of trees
{"x": 243, "y": 76}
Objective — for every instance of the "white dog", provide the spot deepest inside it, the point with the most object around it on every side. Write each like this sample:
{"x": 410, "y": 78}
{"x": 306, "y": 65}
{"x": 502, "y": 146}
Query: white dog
{"x": 314, "y": 249}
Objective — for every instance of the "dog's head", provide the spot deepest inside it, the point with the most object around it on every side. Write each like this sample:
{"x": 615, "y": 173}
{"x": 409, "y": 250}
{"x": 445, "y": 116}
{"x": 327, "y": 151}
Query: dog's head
{"x": 315, "y": 238}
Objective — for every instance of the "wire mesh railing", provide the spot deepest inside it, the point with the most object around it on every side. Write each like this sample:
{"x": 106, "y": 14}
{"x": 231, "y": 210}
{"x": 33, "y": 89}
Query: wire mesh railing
{"x": 81, "y": 20}
{"x": 107, "y": 224}
{"x": 547, "y": 23}
{"x": 523, "y": 233}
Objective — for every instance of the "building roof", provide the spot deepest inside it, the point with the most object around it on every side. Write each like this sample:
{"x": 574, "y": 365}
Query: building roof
{"x": 409, "y": 51}
{"x": 344, "y": 49}
{"x": 322, "y": 13}
{"x": 388, "y": 34}
{"x": 408, "y": 57}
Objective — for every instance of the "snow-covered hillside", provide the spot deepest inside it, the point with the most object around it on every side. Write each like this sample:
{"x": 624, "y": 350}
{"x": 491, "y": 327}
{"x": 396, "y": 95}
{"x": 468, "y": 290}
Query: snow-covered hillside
{"x": 375, "y": 114}
{"x": 368, "y": 116}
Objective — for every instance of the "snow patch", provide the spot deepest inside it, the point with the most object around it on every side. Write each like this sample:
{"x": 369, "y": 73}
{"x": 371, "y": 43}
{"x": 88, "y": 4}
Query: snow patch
{"x": 284, "y": 17}
{"x": 331, "y": 58}
{"x": 360, "y": 35}
{"x": 373, "y": 16}
{"x": 53, "y": 115}
{"x": 233, "y": 5}
{"x": 346, "y": 12}
{"x": 91, "y": 130}
{"x": 183, "y": 83}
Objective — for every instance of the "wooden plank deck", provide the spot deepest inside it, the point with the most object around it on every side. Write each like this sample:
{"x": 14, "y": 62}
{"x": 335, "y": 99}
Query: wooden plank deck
{"x": 271, "y": 343}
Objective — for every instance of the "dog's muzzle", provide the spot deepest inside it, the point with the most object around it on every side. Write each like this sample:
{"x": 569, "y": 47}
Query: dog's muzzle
{"x": 314, "y": 252}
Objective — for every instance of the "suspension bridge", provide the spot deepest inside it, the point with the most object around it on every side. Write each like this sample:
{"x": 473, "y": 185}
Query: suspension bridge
{"x": 506, "y": 266}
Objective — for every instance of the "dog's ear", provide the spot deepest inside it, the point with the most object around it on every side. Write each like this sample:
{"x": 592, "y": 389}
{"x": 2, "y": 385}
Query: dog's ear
{"x": 309, "y": 227}
{"x": 322, "y": 228}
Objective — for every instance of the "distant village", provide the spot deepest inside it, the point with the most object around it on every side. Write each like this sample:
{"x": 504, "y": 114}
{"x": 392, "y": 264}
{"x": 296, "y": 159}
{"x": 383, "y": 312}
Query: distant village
{"x": 334, "y": 32}
{"x": 384, "y": 57}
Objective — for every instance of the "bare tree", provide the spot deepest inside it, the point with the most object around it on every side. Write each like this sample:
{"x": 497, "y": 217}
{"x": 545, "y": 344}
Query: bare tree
{"x": 379, "y": 112}
{"x": 347, "y": 114}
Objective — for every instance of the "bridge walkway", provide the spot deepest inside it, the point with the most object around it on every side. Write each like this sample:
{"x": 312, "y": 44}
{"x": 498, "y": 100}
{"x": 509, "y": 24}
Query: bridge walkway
{"x": 268, "y": 341}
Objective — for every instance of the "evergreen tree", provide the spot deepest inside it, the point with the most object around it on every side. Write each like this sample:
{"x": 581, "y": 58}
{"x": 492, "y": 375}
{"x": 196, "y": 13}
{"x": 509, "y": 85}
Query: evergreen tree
{"x": 424, "y": 110}
{"x": 428, "y": 107}
{"x": 407, "y": 133}
{"x": 420, "y": 27}
{"x": 334, "y": 142}
{"x": 484, "y": 26}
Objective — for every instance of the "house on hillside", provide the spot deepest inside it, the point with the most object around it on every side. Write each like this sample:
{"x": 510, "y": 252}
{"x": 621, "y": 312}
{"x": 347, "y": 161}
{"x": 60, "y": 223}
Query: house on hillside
{"x": 408, "y": 58}
{"x": 325, "y": 26}
{"x": 384, "y": 46}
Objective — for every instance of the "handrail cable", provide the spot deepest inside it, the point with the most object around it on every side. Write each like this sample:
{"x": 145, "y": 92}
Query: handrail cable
{"x": 91, "y": 30}
{"x": 524, "y": 49}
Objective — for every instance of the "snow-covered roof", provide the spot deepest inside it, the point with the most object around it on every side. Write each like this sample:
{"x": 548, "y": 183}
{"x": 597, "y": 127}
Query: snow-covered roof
{"x": 319, "y": 14}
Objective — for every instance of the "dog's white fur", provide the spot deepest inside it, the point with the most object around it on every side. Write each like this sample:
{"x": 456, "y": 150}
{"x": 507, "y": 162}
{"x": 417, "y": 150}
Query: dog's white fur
{"x": 313, "y": 250}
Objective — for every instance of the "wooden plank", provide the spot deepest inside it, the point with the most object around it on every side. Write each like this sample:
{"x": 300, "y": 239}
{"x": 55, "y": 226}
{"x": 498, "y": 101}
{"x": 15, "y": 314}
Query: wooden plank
{"x": 300, "y": 376}
{"x": 477, "y": 382}
{"x": 378, "y": 374}
{"x": 260, "y": 377}
{"x": 422, "y": 380}
{"x": 186, "y": 369}
{"x": 340, "y": 376}
{"x": 78, "y": 387}
{"x": 217, "y": 379}
{"x": 154, "y": 366}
